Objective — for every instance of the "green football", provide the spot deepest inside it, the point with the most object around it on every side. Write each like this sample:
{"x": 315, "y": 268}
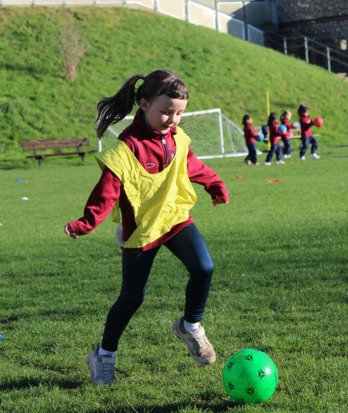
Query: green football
{"x": 250, "y": 376}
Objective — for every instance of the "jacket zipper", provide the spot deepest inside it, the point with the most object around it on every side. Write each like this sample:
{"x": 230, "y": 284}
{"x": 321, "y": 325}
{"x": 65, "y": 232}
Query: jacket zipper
{"x": 166, "y": 151}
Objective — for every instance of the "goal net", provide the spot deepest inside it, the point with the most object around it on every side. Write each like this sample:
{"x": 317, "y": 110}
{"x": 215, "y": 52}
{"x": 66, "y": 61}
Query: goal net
{"x": 213, "y": 135}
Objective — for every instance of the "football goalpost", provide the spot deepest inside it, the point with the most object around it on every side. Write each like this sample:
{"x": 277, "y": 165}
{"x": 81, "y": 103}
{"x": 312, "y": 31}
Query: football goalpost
{"x": 213, "y": 135}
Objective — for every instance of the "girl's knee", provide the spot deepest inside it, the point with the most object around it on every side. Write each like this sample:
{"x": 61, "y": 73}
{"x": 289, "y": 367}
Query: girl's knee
{"x": 133, "y": 299}
{"x": 209, "y": 268}
{"x": 203, "y": 269}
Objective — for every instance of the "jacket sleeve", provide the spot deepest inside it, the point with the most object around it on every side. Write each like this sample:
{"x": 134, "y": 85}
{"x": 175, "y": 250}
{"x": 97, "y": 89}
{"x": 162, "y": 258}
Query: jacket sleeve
{"x": 249, "y": 132}
{"x": 306, "y": 121}
{"x": 100, "y": 203}
{"x": 200, "y": 173}
{"x": 253, "y": 132}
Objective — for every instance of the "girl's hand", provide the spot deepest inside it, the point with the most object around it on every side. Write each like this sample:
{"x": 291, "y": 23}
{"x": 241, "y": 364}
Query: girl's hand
{"x": 219, "y": 200}
{"x": 68, "y": 231}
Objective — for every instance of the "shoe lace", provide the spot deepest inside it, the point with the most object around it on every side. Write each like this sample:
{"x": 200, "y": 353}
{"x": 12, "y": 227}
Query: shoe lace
{"x": 106, "y": 372}
{"x": 200, "y": 342}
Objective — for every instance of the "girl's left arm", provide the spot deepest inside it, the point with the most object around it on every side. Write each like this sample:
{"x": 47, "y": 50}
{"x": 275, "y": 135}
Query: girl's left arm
{"x": 200, "y": 173}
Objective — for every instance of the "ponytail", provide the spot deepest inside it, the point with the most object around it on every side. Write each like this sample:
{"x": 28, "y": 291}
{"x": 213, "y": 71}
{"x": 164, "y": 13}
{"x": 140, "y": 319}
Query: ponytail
{"x": 113, "y": 109}
{"x": 160, "y": 82}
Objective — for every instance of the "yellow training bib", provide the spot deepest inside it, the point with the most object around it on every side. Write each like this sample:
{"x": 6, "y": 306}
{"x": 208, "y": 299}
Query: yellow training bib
{"x": 159, "y": 200}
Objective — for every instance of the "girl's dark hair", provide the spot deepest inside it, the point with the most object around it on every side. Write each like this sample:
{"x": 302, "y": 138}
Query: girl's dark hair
{"x": 160, "y": 82}
{"x": 245, "y": 119}
{"x": 283, "y": 115}
{"x": 272, "y": 118}
{"x": 301, "y": 110}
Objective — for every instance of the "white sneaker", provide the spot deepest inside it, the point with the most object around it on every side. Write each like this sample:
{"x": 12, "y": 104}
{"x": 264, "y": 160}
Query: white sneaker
{"x": 286, "y": 156}
{"x": 302, "y": 158}
{"x": 102, "y": 368}
{"x": 197, "y": 343}
{"x": 268, "y": 163}
{"x": 280, "y": 162}
{"x": 315, "y": 156}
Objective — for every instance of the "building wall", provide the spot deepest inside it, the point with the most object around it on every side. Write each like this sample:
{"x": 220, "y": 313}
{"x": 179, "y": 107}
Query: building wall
{"x": 325, "y": 20}
{"x": 294, "y": 10}
{"x": 254, "y": 12}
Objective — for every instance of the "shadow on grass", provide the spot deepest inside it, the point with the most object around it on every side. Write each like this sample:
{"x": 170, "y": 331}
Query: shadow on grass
{"x": 26, "y": 69}
{"x": 174, "y": 407}
{"x": 29, "y": 382}
{"x": 17, "y": 163}
{"x": 209, "y": 401}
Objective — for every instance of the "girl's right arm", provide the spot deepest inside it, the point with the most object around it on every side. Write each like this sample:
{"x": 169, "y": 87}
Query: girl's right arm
{"x": 100, "y": 203}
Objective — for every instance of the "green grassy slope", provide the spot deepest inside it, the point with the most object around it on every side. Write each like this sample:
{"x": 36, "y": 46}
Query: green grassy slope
{"x": 37, "y": 101}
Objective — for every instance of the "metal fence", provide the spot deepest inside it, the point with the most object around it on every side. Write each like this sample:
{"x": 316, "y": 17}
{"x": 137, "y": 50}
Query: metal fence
{"x": 301, "y": 46}
{"x": 192, "y": 11}
{"x": 255, "y": 35}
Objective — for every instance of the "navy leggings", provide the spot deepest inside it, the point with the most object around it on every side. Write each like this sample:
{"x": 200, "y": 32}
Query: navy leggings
{"x": 306, "y": 142}
{"x": 189, "y": 246}
{"x": 287, "y": 146}
{"x": 252, "y": 153}
{"x": 277, "y": 149}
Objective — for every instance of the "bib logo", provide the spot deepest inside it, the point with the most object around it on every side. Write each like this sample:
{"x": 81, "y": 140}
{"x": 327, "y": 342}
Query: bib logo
{"x": 150, "y": 165}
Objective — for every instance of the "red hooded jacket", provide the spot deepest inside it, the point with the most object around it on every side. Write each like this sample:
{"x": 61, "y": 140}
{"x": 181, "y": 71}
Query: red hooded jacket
{"x": 274, "y": 133}
{"x": 154, "y": 152}
{"x": 306, "y": 123}
{"x": 249, "y": 134}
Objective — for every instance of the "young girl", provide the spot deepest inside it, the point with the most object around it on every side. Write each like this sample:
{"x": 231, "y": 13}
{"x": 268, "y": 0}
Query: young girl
{"x": 147, "y": 177}
{"x": 274, "y": 136}
{"x": 250, "y": 135}
{"x": 306, "y": 133}
{"x": 285, "y": 120}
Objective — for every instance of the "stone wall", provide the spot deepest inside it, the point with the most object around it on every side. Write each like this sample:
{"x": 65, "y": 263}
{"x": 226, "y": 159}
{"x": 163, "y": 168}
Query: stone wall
{"x": 324, "y": 20}
{"x": 296, "y": 10}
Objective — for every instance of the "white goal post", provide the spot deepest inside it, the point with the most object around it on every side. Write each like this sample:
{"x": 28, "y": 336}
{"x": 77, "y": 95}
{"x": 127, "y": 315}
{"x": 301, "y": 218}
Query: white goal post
{"x": 213, "y": 135}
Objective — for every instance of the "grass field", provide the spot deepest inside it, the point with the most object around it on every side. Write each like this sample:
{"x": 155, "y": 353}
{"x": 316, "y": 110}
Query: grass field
{"x": 280, "y": 253}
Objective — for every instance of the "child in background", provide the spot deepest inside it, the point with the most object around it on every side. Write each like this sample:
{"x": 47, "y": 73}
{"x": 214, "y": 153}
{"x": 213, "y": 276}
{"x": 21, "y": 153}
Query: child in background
{"x": 307, "y": 137}
{"x": 250, "y": 135}
{"x": 274, "y": 136}
{"x": 264, "y": 130}
{"x": 147, "y": 177}
{"x": 286, "y": 136}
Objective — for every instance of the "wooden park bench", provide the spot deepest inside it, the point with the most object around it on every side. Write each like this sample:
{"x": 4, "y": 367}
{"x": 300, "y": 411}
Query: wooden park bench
{"x": 39, "y": 148}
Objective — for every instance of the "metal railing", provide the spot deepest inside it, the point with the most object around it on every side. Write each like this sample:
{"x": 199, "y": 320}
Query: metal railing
{"x": 304, "y": 47}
